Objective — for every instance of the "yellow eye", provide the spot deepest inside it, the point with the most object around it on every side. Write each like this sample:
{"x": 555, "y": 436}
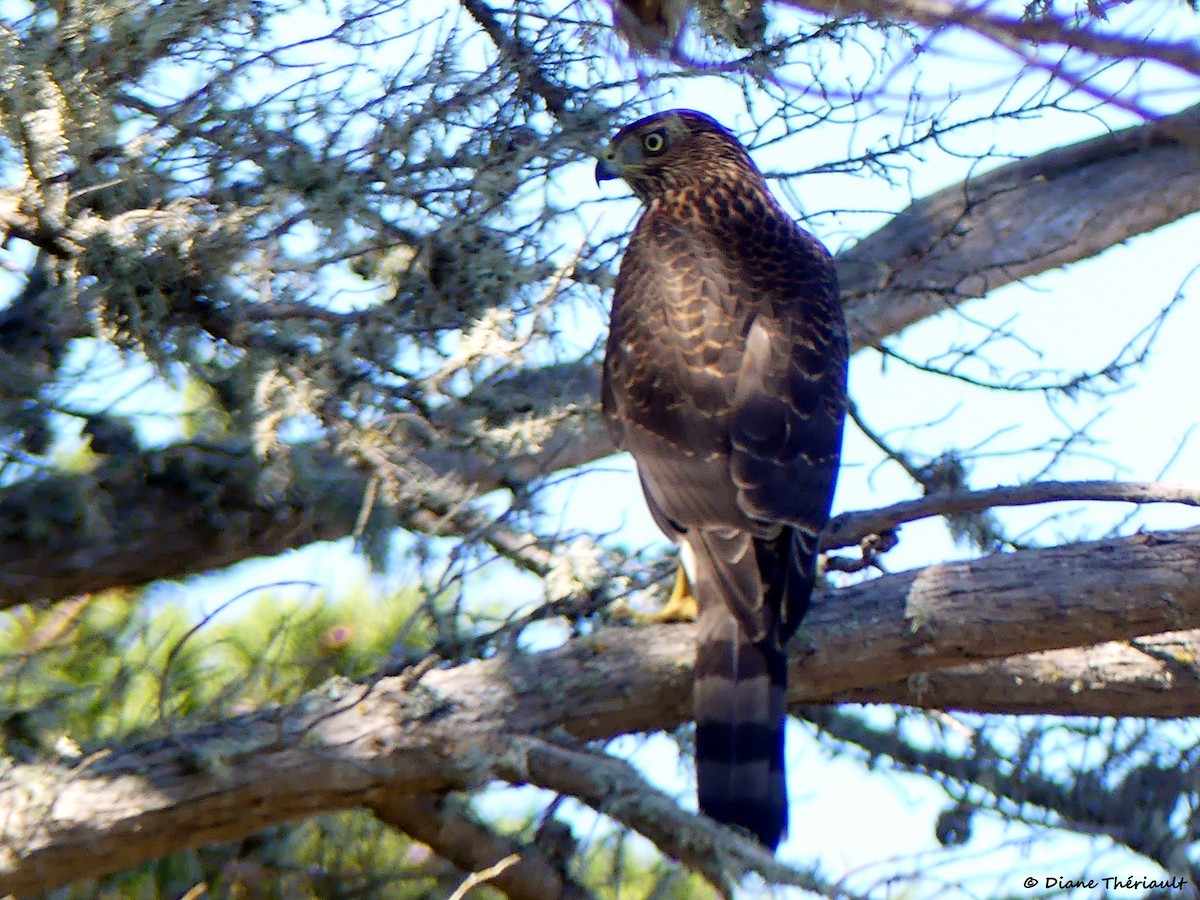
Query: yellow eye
{"x": 654, "y": 142}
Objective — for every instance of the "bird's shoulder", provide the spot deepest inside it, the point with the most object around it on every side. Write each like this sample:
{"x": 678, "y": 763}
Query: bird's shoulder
{"x": 742, "y": 230}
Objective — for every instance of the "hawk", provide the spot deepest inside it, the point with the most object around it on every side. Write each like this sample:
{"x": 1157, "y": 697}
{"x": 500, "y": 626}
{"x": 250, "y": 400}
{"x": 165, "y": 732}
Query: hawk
{"x": 725, "y": 377}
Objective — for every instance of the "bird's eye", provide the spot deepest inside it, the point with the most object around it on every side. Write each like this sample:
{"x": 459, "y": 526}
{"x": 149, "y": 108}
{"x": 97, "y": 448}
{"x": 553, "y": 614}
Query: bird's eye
{"x": 654, "y": 142}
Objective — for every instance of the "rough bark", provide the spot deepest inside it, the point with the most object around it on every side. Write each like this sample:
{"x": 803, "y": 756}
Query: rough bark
{"x": 1153, "y": 676}
{"x": 348, "y": 745}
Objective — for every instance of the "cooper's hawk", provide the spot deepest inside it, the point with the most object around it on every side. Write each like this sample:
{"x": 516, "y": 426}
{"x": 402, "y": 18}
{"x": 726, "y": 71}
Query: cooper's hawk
{"x": 725, "y": 377}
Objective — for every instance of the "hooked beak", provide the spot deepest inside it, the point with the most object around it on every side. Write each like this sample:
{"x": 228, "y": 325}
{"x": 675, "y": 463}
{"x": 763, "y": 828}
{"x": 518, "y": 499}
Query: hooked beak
{"x": 607, "y": 168}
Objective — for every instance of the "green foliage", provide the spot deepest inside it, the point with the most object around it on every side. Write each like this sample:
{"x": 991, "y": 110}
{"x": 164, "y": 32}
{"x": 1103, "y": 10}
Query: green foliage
{"x": 203, "y": 416}
{"x": 624, "y": 866}
{"x": 111, "y": 670}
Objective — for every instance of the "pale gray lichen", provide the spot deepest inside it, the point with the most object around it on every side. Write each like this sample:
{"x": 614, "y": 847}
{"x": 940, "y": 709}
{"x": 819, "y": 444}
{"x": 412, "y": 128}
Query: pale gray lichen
{"x": 492, "y": 336}
{"x": 575, "y": 568}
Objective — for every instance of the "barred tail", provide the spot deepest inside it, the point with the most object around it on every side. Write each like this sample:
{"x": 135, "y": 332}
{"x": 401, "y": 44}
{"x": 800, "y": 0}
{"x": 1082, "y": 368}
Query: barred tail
{"x": 739, "y": 702}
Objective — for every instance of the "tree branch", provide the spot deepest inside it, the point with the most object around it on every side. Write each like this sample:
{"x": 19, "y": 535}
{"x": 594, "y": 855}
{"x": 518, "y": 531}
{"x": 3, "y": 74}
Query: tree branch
{"x": 193, "y": 508}
{"x": 1039, "y": 30}
{"x": 1019, "y": 220}
{"x": 345, "y": 745}
{"x": 554, "y": 95}
{"x": 1134, "y": 807}
{"x": 165, "y": 514}
{"x": 1157, "y": 676}
{"x": 850, "y": 528}
{"x": 615, "y": 788}
{"x": 457, "y": 837}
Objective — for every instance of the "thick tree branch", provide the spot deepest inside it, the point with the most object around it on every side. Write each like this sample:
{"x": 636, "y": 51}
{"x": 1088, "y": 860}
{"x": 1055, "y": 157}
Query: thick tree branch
{"x": 193, "y": 508}
{"x": 1006, "y": 604}
{"x": 15, "y": 222}
{"x": 165, "y": 514}
{"x": 345, "y": 744}
{"x": 615, "y": 788}
{"x": 1153, "y": 676}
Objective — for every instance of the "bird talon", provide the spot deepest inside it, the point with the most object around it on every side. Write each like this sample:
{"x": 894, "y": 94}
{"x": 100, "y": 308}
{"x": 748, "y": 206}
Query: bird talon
{"x": 680, "y": 606}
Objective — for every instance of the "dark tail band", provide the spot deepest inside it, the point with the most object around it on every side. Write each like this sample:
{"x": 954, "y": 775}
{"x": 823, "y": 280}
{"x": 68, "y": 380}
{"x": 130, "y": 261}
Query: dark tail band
{"x": 739, "y": 707}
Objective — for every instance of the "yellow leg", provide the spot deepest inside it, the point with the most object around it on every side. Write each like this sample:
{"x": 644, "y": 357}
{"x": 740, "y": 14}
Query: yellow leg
{"x": 680, "y": 606}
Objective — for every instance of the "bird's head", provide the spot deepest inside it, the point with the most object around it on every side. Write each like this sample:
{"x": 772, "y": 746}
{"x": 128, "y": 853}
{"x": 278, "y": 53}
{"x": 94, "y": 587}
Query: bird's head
{"x": 670, "y": 150}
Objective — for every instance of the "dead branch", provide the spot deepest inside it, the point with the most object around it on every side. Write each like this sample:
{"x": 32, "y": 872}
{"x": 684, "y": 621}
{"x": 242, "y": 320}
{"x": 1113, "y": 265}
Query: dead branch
{"x": 1017, "y": 221}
